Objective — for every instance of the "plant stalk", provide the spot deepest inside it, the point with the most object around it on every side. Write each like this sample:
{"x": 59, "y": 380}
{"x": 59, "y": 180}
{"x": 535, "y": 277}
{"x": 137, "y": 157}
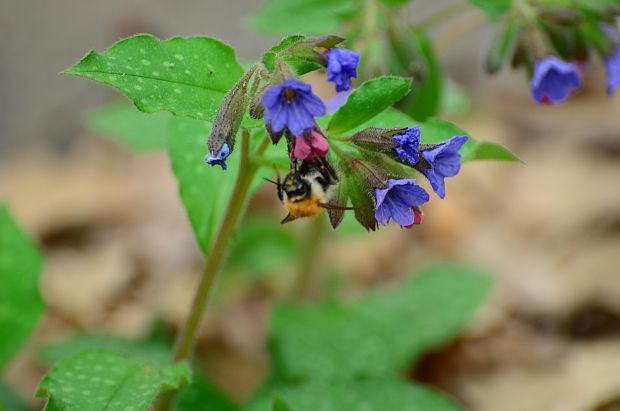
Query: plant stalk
{"x": 186, "y": 339}
{"x": 309, "y": 257}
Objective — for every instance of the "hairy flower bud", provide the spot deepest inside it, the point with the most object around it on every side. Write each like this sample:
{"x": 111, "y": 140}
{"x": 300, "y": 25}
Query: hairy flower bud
{"x": 227, "y": 122}
{"x": 377, "y": 139}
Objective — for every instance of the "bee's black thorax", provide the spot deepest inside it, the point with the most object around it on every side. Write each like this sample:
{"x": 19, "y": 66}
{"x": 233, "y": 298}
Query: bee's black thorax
{"x": 305, "y": 179}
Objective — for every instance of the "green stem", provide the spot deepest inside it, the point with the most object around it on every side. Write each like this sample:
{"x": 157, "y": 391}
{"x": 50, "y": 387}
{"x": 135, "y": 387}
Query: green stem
{"x": 236, "y": 204}
{"x": 306, "y": 266}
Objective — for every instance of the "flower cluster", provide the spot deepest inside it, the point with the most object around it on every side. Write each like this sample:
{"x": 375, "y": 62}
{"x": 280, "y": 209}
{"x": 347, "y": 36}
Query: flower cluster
{"x": 363, "y": 171}
{"x": 400, "y": 199}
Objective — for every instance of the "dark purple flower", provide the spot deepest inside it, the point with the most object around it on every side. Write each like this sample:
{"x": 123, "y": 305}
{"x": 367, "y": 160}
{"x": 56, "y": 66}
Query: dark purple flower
{"x": 554, "y": 80}
{"x": 341, "y": 67}
{"x": 443, "y": 160}
{"x": 398, "y": 200}
{"x": 291, "y": 105}
{"x": 219, "y": 158}
{"x": 408, "y": 144}
{"x": 612, "y": 63}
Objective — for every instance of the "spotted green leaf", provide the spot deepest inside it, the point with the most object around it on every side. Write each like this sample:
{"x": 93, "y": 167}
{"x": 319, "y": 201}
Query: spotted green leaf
{"x": 150, "y": 350}
{"x": 134, "y": 129}
{"x": 100, "y": 380}
{"x": 185, "y": 76}
{"x": 205, "y": 190}
{"x": 368, "y": 100}
{"x": 332, "y": 341}
{"x": 358, "y": 395}
{"x": 20, "y": 301}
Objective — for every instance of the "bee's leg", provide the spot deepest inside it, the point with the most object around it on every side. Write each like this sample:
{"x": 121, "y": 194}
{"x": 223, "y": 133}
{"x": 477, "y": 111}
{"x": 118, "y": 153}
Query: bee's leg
{"x": 279, "y": 186}
{"x": 288, "y": 219}
{"x": 327, "y": 171}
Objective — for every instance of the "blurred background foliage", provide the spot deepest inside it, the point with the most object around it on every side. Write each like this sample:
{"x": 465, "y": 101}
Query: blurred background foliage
{"x": 121, "y": 262}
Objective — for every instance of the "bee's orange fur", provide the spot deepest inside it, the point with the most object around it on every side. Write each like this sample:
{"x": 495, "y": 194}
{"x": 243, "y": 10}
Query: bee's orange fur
{"x": 306, "y": 208}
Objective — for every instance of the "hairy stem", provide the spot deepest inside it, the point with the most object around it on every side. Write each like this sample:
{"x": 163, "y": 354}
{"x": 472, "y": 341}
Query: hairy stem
{"x": 236, "y": 205}
{"x": 309, "y": 257}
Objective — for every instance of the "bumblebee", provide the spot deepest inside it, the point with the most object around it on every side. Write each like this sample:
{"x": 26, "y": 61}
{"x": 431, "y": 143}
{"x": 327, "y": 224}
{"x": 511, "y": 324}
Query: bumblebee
{"x": 306, "y": 190}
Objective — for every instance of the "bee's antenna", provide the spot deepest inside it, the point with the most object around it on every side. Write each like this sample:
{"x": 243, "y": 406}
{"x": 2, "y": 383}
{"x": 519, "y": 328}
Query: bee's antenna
{"x": 271, "y": 181}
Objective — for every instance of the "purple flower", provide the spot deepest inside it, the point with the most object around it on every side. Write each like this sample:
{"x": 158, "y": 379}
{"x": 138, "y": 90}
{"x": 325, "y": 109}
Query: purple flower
{"x": 337, "y": 101}
{"x": 341, "y": 67}
{"x": 291, "y": 105}
{"x": 219, "y": 158}
{"x": 554, "y": 80}
{"x": 443, "y": 160}
{"x": 408, "y": 144}
{"x": 398, "y": 200}
{"x": 612, "y": 63}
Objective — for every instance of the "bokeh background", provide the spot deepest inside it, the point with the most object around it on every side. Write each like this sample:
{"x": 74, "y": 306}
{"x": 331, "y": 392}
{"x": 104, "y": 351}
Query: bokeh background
{"x": 120, "y": 254}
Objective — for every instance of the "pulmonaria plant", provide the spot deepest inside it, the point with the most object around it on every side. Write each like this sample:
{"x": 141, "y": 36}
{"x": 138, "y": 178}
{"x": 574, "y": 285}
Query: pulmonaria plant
{"x": 377, "y": 161}
{"x": 362, "y": 158}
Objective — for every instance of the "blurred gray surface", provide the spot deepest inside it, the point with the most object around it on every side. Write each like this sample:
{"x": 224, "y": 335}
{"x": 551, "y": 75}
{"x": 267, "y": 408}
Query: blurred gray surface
{"x": 38, "y": 39}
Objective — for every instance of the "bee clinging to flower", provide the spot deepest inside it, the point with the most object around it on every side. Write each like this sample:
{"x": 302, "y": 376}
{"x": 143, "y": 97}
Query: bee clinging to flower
{"x": 306, "y": 190}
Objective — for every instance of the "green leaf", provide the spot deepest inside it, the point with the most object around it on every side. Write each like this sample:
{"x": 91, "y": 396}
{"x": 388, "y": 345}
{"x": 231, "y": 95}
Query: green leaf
{"x": 185, "y": 76}
{"x": 425, "y": 97}
{"x": 370, "y": 99}
{"x": 20, "y": 300}
{"x": 200, "y": 395}
{"x": 263, "y": 245}
{"x": 125, "y": 124}
{"x": 279, "y": 404}
{"x": 360, "y": 395}
{"x": 282, "y": 17}
{"x": 204, "y": 190}
{"x": 153, "y": 351}
{"x": 338, "y": 342}
{"x": 493, "y": 8}
{"x": 104, "y": 380}
{"x": 269, "y": 58}
{"x": 492, "y": 151}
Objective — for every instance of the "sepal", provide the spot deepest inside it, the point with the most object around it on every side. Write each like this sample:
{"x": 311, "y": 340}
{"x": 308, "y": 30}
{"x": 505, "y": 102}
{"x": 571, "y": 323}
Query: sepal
{"x": 377, "y": 139}
{"x": 228, "y": 120}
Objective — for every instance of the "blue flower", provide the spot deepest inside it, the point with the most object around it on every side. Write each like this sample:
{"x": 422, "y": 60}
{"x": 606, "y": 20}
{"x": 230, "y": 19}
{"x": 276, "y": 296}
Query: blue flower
{"x": 442, "y": 160}
{"x": 398, "y": 200}
{"x": 408, "y": 144}
{"x": 341, "y": 67}
{"x": 219, "y": 158}
{"x": 554, "y": 80}
{"x": 612, "y": 63}
{"x": 291, "y": 105}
